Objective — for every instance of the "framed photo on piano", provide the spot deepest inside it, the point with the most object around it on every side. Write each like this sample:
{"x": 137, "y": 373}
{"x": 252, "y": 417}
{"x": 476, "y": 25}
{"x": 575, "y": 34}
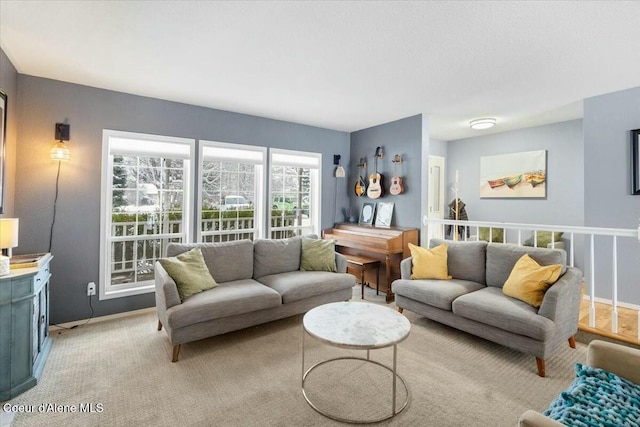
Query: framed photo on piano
{"x": 384, "y": 215}
{"x": 367, "y": 214}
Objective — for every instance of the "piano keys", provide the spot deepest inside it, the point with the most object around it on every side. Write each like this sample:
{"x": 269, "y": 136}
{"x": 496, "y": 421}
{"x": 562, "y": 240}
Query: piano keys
{"x": 389, "y": 245}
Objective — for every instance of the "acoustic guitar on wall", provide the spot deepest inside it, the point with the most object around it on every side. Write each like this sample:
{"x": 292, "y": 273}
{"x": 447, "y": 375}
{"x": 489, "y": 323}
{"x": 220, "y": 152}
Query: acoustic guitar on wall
{"x": 376, "y": 186}
{"x": 396, "y": 182}
{"x": 361, "y": 187}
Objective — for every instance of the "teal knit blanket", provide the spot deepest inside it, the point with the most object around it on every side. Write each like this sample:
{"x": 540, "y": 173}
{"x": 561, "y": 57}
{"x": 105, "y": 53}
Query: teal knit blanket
{"x": 597, "y": 398}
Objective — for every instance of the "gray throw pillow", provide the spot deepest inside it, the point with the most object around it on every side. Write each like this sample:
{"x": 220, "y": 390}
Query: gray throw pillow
{"x": 274, "y": 256}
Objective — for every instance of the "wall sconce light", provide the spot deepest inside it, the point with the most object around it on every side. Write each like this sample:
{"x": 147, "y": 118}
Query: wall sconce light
{"x": 480, "y": 124}
{"x": 60, "y": 151}
{"x": 339, "y": 173}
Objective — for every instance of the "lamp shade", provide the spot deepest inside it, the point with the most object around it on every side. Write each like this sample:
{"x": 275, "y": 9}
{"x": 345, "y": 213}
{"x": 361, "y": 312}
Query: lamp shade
{"x": 8, "y": 233}
{"x": 59, "y": 151}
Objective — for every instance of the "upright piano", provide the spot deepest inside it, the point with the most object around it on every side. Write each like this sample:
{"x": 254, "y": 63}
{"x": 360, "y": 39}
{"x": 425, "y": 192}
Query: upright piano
{"x": 388, "y": 245}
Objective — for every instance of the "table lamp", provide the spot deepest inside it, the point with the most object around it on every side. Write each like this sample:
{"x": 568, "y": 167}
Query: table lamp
{"x": 8, "y": 240}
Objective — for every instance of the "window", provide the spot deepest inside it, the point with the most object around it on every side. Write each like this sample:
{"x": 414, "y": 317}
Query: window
{"x": 294, "y": 193}
{"x": 147, "y": 199}
{"x": 232, "y": 192}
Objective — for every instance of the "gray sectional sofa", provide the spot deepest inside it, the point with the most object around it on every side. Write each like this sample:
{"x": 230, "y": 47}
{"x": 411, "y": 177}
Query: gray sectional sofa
{"x": 259, "y": 281}
{"x": 473, "y": 300}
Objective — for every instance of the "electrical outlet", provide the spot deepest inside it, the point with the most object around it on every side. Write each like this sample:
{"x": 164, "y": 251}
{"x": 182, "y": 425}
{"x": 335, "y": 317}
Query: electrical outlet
{"x": 91, "y": 289}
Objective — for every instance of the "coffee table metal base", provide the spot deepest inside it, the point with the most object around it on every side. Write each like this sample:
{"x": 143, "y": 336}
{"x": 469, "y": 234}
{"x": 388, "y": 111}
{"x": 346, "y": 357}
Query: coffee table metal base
{"x": 394, "y": 412}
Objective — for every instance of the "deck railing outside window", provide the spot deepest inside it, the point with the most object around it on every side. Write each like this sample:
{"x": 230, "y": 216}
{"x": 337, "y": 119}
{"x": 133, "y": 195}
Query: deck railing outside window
{"x": 131, "y": 253}
{"x": 576, "y": 241}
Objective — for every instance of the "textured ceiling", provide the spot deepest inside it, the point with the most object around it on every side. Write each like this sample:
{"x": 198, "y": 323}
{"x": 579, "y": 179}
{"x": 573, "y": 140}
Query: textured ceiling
{"x": 340, "y": 65}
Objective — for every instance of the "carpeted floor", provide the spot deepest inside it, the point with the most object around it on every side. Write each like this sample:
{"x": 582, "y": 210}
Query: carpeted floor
{"x": 252, "y": 378}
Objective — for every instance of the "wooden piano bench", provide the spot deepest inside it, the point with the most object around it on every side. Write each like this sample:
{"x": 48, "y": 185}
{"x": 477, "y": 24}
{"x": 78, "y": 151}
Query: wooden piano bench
{"x": 361, "y": 265}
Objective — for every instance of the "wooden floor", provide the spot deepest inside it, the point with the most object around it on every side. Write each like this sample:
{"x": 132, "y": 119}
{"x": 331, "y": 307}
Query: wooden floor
{"x": 627, "y": 322}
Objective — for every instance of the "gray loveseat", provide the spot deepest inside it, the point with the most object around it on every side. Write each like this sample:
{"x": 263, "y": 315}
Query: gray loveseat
{"x": 473, "y": 300}
{"x": 258, "y": 282}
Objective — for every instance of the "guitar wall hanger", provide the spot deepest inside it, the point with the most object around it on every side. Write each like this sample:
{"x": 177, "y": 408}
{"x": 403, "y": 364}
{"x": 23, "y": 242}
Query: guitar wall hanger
{"x": 396, "y": 181}
{"x": 361, "y": 186}
{"x": 376, "y": 185}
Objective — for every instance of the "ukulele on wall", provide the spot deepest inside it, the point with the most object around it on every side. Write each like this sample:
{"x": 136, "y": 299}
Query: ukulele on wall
{"x": 396, "y": 182}
{"x": 376, "y": 185}
{"x": 361, "y": 187}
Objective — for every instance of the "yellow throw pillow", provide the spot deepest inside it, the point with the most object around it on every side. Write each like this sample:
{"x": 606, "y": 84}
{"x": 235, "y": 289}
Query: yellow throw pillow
{"x": 529, "y": 280}
{"x": 429, "y": 263}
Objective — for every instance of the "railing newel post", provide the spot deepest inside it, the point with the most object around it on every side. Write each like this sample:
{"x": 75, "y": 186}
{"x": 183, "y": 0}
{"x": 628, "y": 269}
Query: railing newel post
{"x": 592, "y": 306}
{"x": 572, "y": 251}
{"x": 614, "y": 306}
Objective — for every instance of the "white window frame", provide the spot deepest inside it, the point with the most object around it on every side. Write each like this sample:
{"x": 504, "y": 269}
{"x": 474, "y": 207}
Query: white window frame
{"x": 140, "y": 144}
{"x": 304, "y": 159}
{"x": 228, "y": 151}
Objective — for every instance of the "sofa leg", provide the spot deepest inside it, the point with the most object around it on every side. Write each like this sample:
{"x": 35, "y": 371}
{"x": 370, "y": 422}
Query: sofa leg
{"x": 400, "y": 310}
{"x": 572, "y": 342}
{"x": 159, "y": 325}
{"x": 541, "y": 370}
{"x": 176, "y": 352}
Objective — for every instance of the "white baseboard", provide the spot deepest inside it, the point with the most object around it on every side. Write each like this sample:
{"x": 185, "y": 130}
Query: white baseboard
{"x": 101, "y": 318}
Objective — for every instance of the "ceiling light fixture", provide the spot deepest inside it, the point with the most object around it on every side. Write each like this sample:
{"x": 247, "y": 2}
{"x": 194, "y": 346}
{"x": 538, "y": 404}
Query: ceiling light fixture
{"x": 485, "y": 123}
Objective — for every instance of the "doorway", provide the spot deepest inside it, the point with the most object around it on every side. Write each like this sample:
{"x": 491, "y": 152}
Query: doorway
{"x": 436, "y": 207}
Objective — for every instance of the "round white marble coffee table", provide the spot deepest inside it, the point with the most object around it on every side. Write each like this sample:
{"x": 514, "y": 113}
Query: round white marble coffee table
{"x": 356, "y": 326}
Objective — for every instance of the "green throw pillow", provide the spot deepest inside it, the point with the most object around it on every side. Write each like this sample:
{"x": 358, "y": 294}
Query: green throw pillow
{"x": 190, "y": 272}
{"x": 497, "y": 234}
{"x": 544, "y": 238}
{"x": 318, "y": 255}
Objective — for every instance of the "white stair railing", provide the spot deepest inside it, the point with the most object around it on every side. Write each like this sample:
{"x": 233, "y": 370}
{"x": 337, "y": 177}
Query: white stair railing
{"x": 571, "y": 232}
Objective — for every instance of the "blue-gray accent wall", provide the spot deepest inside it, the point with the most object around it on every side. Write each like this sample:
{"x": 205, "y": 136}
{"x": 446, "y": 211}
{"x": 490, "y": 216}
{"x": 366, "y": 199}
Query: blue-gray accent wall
{"x": 438, "y": 147}
{"x": 76, "y": 238}
{"x": 403, "y": 137}
{"x": 564, "y": 203}
{"x": 608, "y": 120}
{"x": 9, "y": 83}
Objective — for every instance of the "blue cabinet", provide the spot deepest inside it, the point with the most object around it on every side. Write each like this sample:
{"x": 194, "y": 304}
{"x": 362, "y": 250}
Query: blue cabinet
{"x": 24, "y": 327}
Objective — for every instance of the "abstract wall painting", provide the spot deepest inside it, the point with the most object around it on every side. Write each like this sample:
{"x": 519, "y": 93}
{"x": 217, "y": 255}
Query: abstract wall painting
{"x": 514, "y": 175}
